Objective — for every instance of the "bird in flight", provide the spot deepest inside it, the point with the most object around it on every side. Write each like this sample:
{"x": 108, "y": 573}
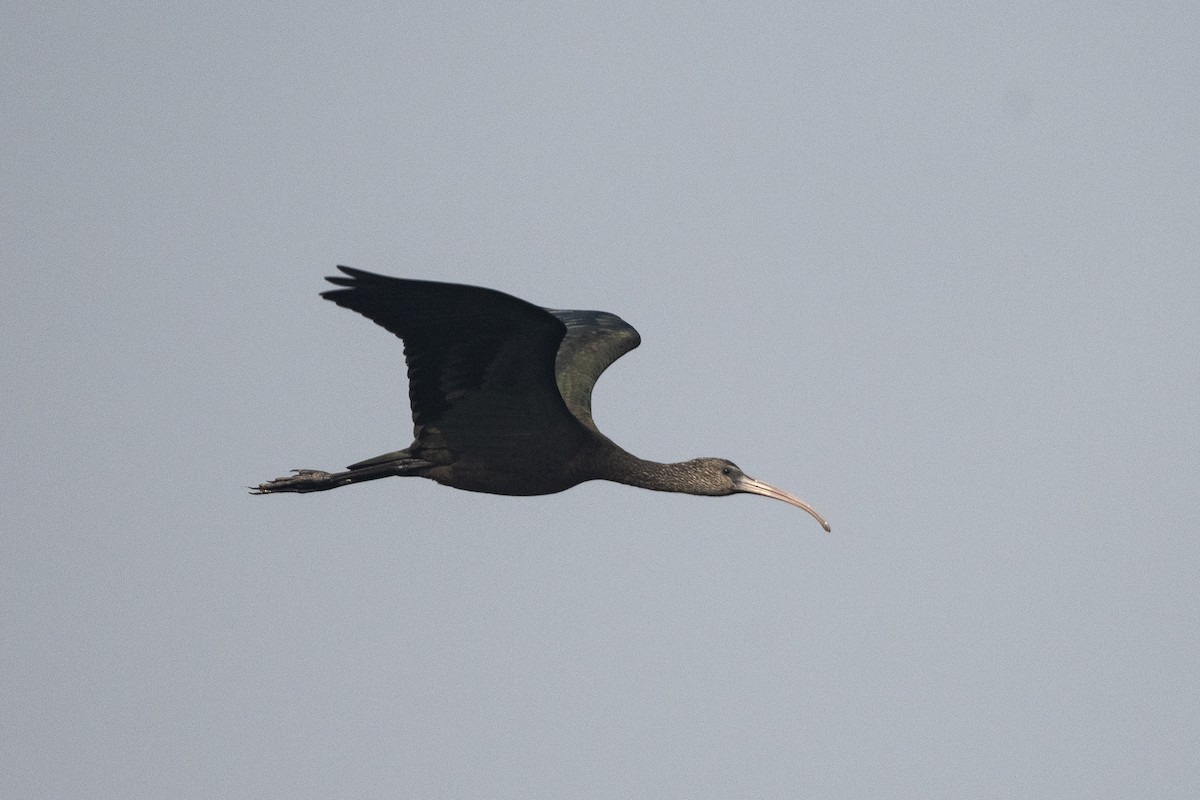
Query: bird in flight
{"x": 501, "y": 395}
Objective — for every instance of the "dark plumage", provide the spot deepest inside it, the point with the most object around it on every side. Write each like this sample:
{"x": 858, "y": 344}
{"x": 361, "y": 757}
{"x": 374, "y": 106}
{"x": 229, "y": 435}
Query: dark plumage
{"x": 501, "y": 395}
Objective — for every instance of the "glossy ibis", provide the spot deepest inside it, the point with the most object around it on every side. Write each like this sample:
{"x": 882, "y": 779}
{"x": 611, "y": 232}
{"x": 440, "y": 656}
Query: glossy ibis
{"x": 501, "y": 394}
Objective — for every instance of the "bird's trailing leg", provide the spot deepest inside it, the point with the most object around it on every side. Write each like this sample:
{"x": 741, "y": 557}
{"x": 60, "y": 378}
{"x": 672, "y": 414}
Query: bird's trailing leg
{"x": 315, "y": 480}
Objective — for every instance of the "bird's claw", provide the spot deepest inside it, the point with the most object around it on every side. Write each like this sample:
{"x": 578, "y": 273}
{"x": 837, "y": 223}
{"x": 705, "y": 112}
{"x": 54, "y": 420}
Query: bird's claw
{"x": 303, "y": 480}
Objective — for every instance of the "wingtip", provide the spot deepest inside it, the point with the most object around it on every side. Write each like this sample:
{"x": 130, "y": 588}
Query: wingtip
{"x": 356, "y": 276}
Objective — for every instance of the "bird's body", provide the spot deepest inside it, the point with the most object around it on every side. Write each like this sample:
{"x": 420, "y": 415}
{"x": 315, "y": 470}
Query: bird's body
{"x": 500, "y": 391}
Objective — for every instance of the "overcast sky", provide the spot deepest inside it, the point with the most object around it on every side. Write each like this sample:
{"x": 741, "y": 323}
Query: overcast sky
{"x": 932, "y": 268}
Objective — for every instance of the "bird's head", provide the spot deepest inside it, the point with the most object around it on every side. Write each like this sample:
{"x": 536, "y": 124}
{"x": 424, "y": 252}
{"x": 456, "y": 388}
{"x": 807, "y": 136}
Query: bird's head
{"x": 719, "y": 476}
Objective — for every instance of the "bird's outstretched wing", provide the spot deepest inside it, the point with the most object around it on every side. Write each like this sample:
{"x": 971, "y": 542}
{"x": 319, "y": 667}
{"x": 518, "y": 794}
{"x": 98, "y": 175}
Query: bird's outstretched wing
{"x": 480, "y": 362}
{"x": 594, "y": 340}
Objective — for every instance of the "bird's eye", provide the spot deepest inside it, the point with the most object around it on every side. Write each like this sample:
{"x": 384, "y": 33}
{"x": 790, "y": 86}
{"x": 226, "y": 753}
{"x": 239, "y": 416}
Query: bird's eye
{"x": 726, "y": 471}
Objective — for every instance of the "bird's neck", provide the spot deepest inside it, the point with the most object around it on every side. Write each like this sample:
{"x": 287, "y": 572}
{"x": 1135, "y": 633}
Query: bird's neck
{"x": 624, "y": 467}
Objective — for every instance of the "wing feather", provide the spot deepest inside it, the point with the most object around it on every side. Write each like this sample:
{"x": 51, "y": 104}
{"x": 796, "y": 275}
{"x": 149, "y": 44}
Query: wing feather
{"x": 594, "y": 340}
{"x": 480, "y": 362}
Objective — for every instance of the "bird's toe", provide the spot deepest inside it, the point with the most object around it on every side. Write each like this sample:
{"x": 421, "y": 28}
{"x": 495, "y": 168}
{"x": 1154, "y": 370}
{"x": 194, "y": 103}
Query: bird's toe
{"x": 304, "y": 480}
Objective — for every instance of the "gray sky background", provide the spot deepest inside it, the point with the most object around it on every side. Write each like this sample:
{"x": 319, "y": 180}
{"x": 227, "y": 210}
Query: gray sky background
{"x": 931, "y": 267}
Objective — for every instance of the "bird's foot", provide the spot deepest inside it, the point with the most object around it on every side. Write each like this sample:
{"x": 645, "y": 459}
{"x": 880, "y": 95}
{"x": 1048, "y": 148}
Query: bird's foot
{"x": 304, "y": 480}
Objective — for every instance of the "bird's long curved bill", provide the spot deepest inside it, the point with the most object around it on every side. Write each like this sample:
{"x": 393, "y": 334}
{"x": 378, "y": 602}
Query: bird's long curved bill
{"x": 748, "y": 484}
